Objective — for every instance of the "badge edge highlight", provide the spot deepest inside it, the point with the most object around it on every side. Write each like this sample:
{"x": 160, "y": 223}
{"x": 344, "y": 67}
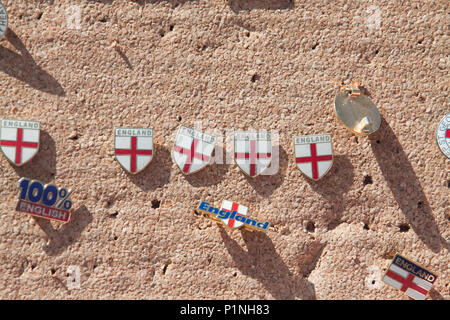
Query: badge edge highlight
{"x": 246, "y": 226}
{"x": 332, "y": 154}
{"x": 153, "y": 149}
{"x": 37, "y": 149}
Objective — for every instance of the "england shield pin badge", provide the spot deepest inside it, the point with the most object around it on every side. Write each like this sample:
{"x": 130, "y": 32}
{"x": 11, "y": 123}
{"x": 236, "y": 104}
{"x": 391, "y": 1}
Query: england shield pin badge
{"x": 314, "y": 155}
{"x": 193, "y": 149}
{"x": 252, "y": 151}
{"x": 133, "y": 148}
{"x": 19, "y": 140}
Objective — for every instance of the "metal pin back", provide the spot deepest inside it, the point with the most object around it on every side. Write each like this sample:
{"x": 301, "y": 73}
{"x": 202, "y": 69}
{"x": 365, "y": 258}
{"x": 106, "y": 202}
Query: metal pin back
{"x": 356, "y": 111}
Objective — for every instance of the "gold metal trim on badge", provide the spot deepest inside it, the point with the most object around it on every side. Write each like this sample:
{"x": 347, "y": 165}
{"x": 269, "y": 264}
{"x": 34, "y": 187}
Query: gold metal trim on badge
{"x": 413, "y": 261}
{"x": 332, "y": 160}
{"x": 153, "y": 150}
{"x": 213, "y": 218}
{"x": 69, "y": 192}
{"x": 38, "y": 148}
{"x": 356, "y": 111}
{"x": 234, "y": 154}
{"x": 210, "y": 162}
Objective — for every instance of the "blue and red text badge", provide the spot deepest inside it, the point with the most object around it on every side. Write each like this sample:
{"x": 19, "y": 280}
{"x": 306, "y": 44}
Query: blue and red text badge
{"x": 44, "y": 201}
{"x": 233, "y": 216}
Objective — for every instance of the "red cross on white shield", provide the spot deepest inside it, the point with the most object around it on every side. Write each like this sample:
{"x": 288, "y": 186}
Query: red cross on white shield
{"x": 192, "y": 150}
{"x": 133, "y": 148}
{"x": 19, "y": 140}
{"x": 233, "y": 206}
{"x": 314, "y": 155}
{"x": 252, "y": 151}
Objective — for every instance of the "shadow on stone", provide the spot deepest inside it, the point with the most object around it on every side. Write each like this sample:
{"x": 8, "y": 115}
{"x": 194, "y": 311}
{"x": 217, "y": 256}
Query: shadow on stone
{"x": 248, "y": 5}
{"x": 333, "y": 186}
{"x": 68, "y": 233}
{"x": 265, "y": 185}
{"x": 405, "y": 186}
{"x": 43, "y": 166}
{"x": 23, "y": 67}
{"x": 211, "y": 175}
{"x": 263, "y": 263}
{"x": 157, "y": 173}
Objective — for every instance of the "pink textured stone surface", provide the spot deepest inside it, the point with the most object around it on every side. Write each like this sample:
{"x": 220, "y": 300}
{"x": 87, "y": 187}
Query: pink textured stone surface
{"x": 235, "y": 64}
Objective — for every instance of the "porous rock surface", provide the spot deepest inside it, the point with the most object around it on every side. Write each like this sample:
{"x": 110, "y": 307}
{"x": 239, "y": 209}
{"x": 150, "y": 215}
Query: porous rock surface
{"x": 223, "y": 65}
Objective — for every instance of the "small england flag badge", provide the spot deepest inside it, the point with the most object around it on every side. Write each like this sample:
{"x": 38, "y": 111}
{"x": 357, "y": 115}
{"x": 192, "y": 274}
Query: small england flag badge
{"x": 133, "y": 148}
{"x": 314, "y": 155}
{"x": 19, "y": 140}
{"x": 253, "y": 151}
{"x": 193, "y": 150}
{"x": 409, "y": 278}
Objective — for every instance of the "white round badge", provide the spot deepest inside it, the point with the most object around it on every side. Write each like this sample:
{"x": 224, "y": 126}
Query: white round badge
{"x": 443, "y": 135}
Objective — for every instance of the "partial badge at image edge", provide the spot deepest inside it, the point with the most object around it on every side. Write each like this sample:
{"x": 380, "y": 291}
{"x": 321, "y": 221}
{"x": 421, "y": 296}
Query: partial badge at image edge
{"x": 19, "y": 140}
{"x": 314, "y": 155}
{"x": 356, "y": 111}
{"x": 443, "y": 135}
{"x": 44, "y": 201}
{"x": 408, "y": 277}
{"x": 192, "y": 150}
{"x": 3, "y": 20}
{"x": 133, "y": 148}
{"x": 232, "y": 215}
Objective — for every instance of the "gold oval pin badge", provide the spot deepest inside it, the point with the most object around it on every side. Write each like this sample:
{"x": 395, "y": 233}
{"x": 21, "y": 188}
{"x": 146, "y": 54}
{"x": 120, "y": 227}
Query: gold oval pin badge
{"x": 356, "y": 111}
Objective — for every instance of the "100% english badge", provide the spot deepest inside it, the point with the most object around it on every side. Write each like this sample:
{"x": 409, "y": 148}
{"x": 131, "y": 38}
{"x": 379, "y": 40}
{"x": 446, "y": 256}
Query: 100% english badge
{"x": 44, "y": 201}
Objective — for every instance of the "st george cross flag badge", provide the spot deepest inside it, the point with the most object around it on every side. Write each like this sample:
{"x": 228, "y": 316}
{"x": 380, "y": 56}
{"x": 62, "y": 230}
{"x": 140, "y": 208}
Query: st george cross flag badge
{"x": 252, "y": 151}
{"x": 193, "y": 149}
{"x": 314, "y": 155}
{"x": 409, "y": 277}
{"x": 229, "y": 206}
{"x": 133, "y": 148}
{"x": 19, "y": 140}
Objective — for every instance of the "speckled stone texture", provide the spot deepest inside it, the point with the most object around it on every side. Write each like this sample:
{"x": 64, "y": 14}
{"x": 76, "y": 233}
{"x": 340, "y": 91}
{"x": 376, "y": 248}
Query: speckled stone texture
{"x": 236, "y": 64}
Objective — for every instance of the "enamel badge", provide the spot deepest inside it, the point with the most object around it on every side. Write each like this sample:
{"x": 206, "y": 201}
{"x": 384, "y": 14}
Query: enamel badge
{"x": 192, "y": 150}
{"x": 233, "y": 216}
{"x": 409, "y": 278}
{"x": 3, "y": 20}
{"x": 443, "y": 135}
{"x": 133, "y": 148}
{"x": 19, "y": 140}
{"x": 252, "y": 151}
{"x": 230, "y": 207}
{"x": 314, "y": 155}
{"x": 44, "y": 201}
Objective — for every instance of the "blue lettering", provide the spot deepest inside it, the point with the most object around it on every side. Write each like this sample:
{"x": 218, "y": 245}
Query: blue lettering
{"x": 213, "y": 210}
{"x": 224, "y": 214}
{"x": 204, "y": 206}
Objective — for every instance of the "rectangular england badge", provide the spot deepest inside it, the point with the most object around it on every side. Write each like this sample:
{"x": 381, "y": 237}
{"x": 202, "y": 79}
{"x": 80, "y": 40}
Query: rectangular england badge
{"x": 409, "y": 278}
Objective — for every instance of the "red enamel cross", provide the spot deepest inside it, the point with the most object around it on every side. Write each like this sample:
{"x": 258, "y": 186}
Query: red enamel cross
{"x": 19, "y": 144}
{"x": 252, "y": 156}
{"x": 447, "y": 133}
{"x": 314, "y": 159}
{"x": 234, "y": 207}
{"x": 191, "y": 154}
{"x": 133, "y": 152}
{"x": 406, "y": 283}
